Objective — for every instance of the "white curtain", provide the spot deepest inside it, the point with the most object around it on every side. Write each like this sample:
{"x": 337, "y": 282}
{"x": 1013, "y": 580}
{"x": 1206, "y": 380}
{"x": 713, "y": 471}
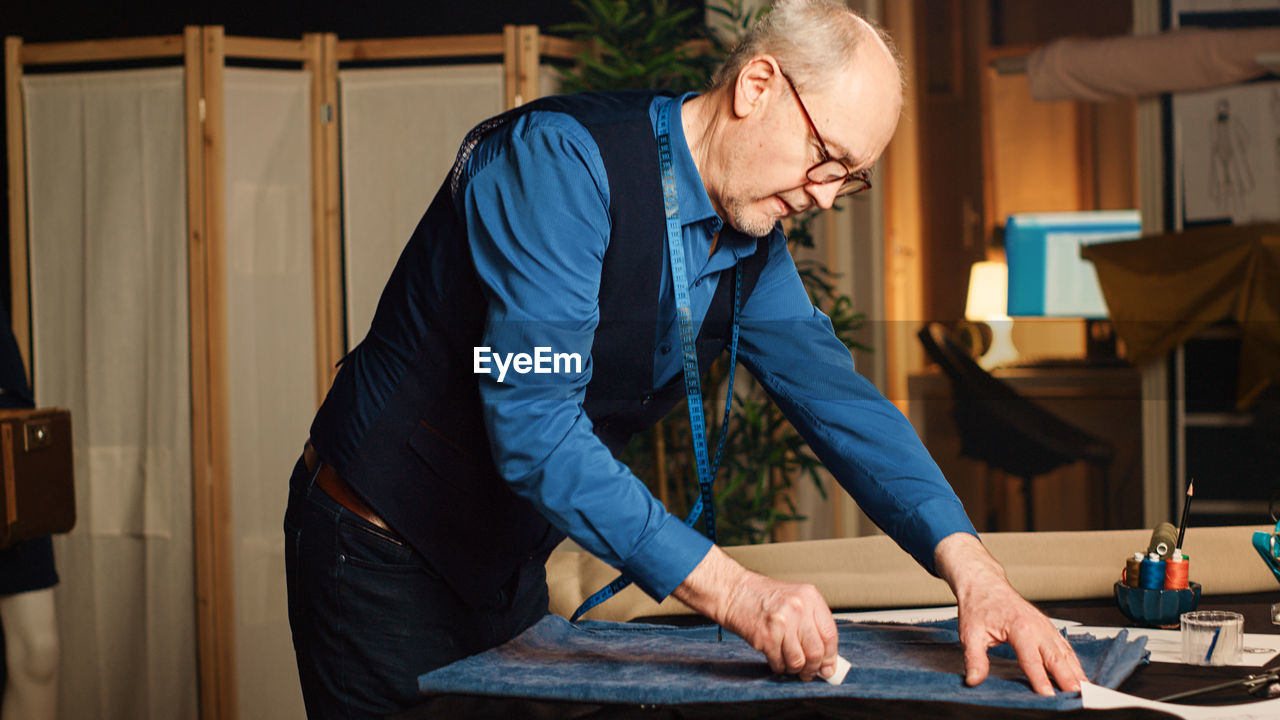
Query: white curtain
{"x": 107, "y": 209}
{"x": 401, "y": 129}
{"x": 548, "y": 80}
{"x": 270, "y": 351}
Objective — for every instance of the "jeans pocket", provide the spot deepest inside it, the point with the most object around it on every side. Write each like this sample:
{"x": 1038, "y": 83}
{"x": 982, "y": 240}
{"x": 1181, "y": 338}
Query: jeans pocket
{"x": 366, "y": 545}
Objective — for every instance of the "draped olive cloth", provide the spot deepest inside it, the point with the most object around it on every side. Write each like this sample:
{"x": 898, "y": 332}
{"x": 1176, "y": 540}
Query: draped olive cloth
{"x": 1163, "y": 289}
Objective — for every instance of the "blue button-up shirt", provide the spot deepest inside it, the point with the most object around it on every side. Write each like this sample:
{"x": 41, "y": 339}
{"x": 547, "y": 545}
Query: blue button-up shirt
{"x": 536, "y": 200}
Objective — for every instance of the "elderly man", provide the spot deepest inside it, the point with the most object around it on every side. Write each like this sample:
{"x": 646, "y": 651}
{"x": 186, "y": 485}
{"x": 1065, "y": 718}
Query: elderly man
{"x": 636, "y": 233}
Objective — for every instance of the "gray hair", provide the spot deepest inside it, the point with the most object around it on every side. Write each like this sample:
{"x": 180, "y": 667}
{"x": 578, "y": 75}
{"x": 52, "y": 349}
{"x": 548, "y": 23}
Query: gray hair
{"x": 809, "y": 38}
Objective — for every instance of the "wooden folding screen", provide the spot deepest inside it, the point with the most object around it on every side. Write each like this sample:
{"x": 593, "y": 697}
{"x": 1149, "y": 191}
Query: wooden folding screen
{"x": 18, "y": 57}
{"x": 203, "y": 52}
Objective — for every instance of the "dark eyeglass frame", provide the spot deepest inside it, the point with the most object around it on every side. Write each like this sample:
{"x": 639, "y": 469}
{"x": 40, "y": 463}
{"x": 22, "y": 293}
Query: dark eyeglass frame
{"x": 828, "y": 169}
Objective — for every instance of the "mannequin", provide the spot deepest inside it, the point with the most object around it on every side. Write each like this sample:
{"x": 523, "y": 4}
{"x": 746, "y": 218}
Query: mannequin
{"x": 31, "y": 650}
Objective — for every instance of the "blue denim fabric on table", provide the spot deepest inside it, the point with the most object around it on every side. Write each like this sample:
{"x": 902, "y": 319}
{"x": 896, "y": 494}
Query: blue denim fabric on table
{"x": 636, "y": 663}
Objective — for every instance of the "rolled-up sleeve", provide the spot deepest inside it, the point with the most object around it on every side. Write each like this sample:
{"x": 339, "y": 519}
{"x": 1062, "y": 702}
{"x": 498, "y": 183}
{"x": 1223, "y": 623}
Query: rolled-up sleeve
{"x": 536, "y": 204}
{"x": 789, "y": 346}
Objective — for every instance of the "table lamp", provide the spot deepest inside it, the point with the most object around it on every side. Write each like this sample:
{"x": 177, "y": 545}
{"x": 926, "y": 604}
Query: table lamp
{"x": 988, "y": 303}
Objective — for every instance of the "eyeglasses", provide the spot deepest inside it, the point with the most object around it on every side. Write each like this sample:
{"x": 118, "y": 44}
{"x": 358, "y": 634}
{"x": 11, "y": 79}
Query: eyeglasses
{"x": 828, "y": 169}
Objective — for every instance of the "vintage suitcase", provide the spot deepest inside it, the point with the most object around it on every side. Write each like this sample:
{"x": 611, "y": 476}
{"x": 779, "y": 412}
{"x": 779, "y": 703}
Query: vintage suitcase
{"x": 37, "y": 489}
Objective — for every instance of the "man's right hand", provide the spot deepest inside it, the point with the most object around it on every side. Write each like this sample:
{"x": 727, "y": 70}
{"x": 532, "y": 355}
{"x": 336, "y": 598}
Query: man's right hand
{"x": 789, "y": 623}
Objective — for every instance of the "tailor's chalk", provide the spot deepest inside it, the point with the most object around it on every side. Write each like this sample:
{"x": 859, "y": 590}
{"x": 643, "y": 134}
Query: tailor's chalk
{"x": 842, "y": 669}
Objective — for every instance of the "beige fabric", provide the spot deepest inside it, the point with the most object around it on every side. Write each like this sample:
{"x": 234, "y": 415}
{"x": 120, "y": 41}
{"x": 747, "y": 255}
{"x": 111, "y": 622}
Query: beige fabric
{"x": 270, "y": 317}
{"x": 1137, "y": 65}
{"x": 106, "y": 174}
{"x": 872, "y": 572}
{"x": 400, "y": 134}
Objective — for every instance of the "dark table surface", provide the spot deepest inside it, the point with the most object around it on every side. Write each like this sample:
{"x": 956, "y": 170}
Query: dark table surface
{"x": 1157, "y": 679}
{"x": 1153, "y": 680}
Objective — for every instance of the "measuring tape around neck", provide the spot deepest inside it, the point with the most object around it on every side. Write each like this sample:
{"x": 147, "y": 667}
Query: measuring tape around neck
{"x": 692, "y": 382}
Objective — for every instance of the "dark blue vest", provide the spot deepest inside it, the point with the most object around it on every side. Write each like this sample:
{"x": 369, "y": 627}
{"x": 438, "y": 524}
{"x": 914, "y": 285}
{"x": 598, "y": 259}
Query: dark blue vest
{"x": 403, "y": 424}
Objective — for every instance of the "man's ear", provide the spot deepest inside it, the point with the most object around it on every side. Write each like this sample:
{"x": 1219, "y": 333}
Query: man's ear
{"x": 755, "y": 85}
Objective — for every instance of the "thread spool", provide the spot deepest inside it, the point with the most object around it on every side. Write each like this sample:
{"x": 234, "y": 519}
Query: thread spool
{"x": 1163, "y": 540}
{"x": 1132, "y": 570}
{"x": 1151, "y": 574}
{"x": 1176, "y": 571}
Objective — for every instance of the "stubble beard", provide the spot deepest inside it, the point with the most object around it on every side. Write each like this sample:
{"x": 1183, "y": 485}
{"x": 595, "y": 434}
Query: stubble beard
{"x": 745, "y": 221}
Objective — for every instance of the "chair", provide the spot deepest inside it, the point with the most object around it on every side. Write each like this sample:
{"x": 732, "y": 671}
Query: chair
{"x": 1008, "y": 431}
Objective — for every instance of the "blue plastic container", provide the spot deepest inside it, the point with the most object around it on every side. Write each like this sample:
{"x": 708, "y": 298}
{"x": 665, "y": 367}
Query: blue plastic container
{"x": 1156, "y": 608}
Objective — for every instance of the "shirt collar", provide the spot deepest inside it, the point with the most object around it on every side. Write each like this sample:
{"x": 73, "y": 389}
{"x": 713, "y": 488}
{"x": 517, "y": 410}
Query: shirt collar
{"x": 695, "y": 205}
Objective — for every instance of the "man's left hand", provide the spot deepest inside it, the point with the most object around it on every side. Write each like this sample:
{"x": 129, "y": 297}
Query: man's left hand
{"x": 992, "y": 613}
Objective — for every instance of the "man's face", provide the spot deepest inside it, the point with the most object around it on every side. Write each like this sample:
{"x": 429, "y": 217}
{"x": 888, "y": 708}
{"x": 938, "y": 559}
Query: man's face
{"x": 856, "y": 113}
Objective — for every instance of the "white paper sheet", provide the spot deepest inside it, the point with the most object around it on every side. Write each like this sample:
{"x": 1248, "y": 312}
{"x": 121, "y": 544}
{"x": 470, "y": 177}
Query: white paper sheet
{"x": 912, "y": 616}
{"x": 1096, "y": 697}
{"x": 1166, "y": 645}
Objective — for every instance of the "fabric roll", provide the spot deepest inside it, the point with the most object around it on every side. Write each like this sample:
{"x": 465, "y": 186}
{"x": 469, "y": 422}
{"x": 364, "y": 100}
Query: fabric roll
{"x": 606, "y": 662}
{"x": 1097, "y": 70}
{"x": 873, "y": 572}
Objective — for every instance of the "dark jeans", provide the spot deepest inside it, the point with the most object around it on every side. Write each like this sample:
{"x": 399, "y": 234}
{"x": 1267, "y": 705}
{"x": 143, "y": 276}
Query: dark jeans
{"x": 369, "y": 614}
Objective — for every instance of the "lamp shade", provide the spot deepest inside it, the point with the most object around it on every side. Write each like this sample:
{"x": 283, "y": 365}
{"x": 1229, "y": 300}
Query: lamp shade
{"x": 988, "y": 292}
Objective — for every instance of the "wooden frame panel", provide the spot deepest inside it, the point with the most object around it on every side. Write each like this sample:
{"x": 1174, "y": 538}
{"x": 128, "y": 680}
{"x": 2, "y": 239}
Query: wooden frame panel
{"x": 267, "y": 48}
{"x": 214, "y": 549}
{"x": 207, "y": 606}
{"x": 315, "y": 66}
{"x": 143, "y": 48}
{"x": 441, "y": 46}
{"x": 511, "y": 64}
{"x": 527, "y": 64}
{"x": 326, "y": 227}
{"x": 15, "y": 137}
{"x": 335, "y": 327}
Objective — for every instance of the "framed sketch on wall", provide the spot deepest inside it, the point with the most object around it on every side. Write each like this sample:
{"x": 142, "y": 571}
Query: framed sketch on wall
{"x": 1230, "y": 161}
{"x": 1227, "y": 139}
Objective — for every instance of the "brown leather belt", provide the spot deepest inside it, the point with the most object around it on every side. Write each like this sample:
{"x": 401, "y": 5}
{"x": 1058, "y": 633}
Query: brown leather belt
{"x": 328, "y": 480}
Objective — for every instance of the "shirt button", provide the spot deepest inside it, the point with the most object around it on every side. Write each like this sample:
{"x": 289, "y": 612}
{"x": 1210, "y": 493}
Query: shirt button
{"x": 648, "y": 397}
{"x": 664, "y": 348}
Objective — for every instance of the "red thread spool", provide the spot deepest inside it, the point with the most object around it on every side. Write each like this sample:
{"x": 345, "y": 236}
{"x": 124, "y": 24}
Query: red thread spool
{"x": 1176, "y": 573}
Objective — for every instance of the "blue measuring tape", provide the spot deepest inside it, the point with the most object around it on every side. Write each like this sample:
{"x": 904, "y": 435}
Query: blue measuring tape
{"x": 692, "y": 382}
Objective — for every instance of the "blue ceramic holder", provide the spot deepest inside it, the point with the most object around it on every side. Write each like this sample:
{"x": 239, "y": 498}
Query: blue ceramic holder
{"x": 1156, "y": 608}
